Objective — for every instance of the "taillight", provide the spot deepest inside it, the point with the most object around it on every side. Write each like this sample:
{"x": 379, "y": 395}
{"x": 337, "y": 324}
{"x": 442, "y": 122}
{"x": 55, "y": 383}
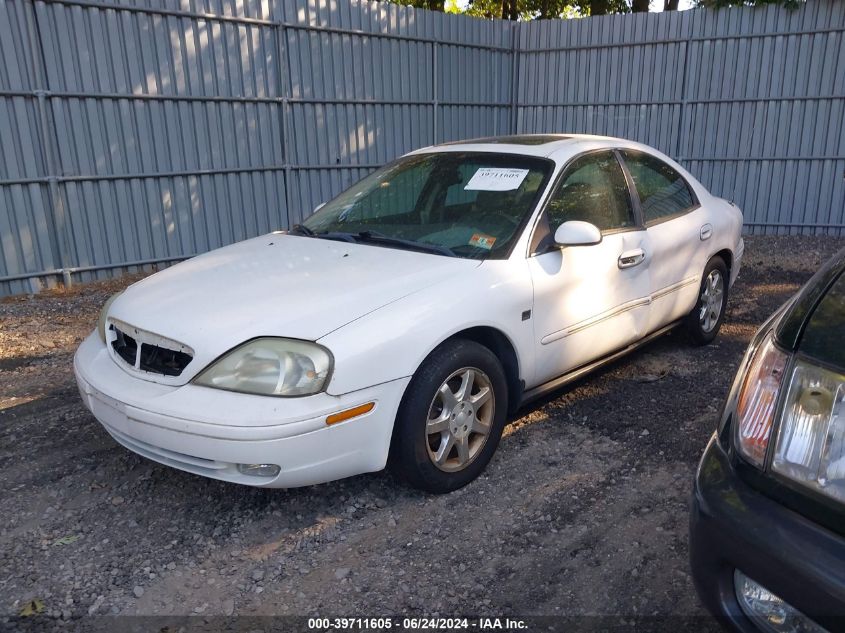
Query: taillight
{"x": 757, "y": 401}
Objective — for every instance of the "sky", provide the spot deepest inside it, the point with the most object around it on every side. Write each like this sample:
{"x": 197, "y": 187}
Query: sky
{"x": 657, "y": 5}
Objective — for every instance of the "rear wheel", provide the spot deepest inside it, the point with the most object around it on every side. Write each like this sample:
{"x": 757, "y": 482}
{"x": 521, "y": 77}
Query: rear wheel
{"x": 451, "y": 417}
{"x": 705, "y": 319}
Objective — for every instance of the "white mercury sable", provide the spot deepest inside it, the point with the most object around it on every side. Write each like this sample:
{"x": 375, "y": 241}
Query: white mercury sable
{"x": 404, "y": 320}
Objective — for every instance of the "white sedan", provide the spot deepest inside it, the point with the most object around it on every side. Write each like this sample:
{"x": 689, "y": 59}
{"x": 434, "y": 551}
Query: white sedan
{"x": 403, "y": 321}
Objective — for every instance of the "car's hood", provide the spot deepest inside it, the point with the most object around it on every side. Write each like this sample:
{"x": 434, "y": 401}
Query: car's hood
{"x": 275, "y": 285}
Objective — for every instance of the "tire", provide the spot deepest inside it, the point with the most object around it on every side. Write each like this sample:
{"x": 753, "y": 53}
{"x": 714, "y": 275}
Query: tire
{"x": 705, "y": 319}
{"x": 421, "y": 453}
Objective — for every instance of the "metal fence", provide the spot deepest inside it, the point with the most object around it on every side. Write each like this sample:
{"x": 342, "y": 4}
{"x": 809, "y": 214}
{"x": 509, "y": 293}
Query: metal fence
{"x": 751, "y": 101}
{"x": 140, "y": 131}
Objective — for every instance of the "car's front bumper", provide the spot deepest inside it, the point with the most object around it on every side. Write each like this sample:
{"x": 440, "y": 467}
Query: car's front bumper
{"x": 733, "y": 526}
{"x": 208, "y": 431}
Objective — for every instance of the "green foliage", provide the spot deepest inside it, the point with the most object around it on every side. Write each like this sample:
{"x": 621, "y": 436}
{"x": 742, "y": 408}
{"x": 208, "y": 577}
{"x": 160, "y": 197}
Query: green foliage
{"x": 564, "y": 9}
{"x": 719, "y": 4}
{"x": 523, "y": 9}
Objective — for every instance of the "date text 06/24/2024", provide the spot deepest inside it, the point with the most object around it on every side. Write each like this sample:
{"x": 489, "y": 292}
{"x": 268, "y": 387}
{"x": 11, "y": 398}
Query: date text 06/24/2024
{"x": 413, "y": 624}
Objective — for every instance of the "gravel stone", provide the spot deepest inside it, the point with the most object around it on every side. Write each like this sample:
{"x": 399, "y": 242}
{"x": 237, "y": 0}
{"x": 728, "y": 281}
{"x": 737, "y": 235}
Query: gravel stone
{"x": 583, "y": 510}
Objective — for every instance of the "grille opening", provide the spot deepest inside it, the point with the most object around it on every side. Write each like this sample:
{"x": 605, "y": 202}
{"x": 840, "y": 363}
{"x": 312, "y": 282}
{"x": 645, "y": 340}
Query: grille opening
{"x": 153, "y": 358}
{"x": 125, "y": 346}
{"x": 161, "y": 360}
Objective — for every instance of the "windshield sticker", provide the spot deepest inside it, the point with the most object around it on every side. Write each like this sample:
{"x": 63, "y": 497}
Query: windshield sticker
{"x": 482, "y": 241}
{"x": 496, "y": 179}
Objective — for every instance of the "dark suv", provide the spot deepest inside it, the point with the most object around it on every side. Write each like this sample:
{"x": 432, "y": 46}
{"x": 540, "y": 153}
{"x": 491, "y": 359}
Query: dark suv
{"x": 767, "y": 523}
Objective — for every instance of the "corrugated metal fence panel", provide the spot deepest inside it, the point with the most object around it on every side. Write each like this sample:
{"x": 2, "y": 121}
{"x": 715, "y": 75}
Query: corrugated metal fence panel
{"x": 752, "y": 101}
{"x": 614, "y": 75}
{"x": 137, "y": 130}
{"x": 766, "y": 92}
{"x": 611, "y": 75}
{"x": 370, "y": 81}
{"x": 26, "y": 231}
{"x": 165, "y": 126}
{"x": 169, "y": 126}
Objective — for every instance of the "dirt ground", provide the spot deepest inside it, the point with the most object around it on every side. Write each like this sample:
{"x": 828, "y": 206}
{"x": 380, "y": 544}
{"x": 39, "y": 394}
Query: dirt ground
{"x": 583, "y": 511}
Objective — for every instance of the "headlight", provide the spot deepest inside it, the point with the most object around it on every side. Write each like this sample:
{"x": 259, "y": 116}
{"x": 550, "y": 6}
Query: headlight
{"x": 271, "y": 367}
{"x": 755, "y": 411}
{"x": 101, "y": 322}
{"x": 810, "y": 446}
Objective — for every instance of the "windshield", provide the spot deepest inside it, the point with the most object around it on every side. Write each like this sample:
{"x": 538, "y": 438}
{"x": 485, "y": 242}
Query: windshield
{"x": 464, "y": 204}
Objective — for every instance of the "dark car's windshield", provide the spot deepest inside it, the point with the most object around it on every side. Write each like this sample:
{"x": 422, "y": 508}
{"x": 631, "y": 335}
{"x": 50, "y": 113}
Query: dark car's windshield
{"x": 464, "y": 204}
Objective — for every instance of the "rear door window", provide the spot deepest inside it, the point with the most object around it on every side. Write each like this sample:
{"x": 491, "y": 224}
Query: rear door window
{"x": 663, "y": 192}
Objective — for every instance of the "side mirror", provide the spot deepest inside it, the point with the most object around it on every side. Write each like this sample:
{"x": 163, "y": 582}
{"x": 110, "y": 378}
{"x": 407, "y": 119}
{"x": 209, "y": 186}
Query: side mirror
{"x": 318, "y": 207}
{"x": 577, "y": 233}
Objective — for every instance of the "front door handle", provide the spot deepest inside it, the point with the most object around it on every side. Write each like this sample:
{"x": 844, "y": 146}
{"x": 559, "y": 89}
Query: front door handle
{"x": 631, "y": 258}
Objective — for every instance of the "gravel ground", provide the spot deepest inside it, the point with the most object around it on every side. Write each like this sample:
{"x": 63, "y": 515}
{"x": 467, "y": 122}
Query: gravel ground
{"x": 583, "y": 511}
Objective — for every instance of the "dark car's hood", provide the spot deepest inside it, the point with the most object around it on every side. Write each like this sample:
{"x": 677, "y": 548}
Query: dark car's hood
{"x": 815, "y": 321}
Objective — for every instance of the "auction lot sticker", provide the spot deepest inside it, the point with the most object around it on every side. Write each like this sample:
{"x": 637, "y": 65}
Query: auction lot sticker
{"x": 496, "y": 179}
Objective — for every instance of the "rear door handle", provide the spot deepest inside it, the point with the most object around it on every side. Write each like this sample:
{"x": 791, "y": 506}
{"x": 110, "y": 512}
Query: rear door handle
{"x": 631, "y": 258}
{"x": 706, "y": 232}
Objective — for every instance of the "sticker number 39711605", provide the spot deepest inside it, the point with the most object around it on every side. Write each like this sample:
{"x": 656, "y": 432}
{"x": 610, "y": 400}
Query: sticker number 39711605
{"x": 496, "y": 179}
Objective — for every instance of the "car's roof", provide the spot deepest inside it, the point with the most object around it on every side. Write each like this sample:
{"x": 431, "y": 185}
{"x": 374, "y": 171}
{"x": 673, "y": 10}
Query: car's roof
{"x": 543, "y": 145}
{"x": 514, "y": 139}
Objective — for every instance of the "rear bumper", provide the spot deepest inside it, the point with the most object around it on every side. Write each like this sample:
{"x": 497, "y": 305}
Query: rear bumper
{"x": 732, "y": 526}
{"x": 208, "y": 432}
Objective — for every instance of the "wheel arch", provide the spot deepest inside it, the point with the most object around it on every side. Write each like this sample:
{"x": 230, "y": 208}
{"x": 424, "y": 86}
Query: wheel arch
{"x": 727, "y": 256}
{"x": 500, "y": 344}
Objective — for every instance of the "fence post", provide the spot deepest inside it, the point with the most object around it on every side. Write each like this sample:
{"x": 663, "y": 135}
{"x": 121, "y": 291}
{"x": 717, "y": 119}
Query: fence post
{"x": 515, "y": 28}
{"x": 434, "y": 101}
{"x": 283, "y": 88}
{"x": 682, "y": 131}
{"x": 58, "y": 227}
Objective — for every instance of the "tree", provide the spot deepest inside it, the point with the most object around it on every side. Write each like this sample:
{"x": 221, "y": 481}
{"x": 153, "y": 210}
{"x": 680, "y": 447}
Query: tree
{"x": 557, "y": 9}
{"x": 718, "y": 4}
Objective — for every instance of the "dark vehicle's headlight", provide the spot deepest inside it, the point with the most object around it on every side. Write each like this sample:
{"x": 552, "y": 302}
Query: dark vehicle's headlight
{"x": 809, "y": 447}
{"x": 271, "y": 367}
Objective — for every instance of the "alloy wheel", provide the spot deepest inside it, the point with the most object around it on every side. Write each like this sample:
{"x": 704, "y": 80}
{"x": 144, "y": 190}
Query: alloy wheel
{"x": 459, "y": 419}
{"x": 712, "y": 296}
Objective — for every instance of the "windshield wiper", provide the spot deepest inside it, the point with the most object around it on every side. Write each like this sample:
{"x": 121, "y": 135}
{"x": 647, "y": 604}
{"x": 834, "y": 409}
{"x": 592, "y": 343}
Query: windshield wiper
{"x": 339, "y": 236}
{"x": 375, "y": 237}
{"x": 301, "y": 229}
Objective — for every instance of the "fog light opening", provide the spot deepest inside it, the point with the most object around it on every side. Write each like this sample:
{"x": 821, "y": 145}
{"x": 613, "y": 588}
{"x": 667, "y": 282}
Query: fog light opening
{"x": 259, "y": 470}
{"x": 770, "y": 612}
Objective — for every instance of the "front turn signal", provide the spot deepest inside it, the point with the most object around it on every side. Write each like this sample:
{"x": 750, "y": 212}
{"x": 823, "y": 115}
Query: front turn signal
{"x": 348, "y": 414}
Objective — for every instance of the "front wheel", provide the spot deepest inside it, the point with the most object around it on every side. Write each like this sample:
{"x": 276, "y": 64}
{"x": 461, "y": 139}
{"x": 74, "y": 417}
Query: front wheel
{"x": 451, "y": 417}
{"x": 705, "y": 319}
